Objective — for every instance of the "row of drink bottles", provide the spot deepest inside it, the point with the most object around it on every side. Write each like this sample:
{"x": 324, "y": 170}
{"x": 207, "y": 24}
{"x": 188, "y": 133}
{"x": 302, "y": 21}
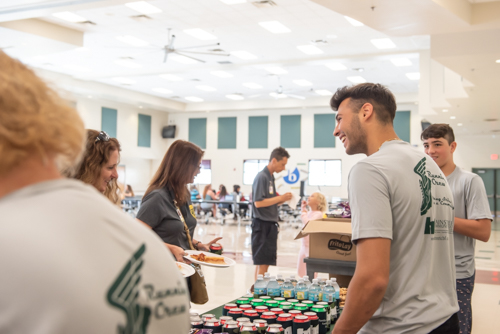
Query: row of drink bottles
{"x": 301, "y": 289}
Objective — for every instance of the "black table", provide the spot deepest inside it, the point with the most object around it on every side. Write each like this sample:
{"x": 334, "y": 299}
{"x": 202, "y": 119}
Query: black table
{"x": 329, "y": 266}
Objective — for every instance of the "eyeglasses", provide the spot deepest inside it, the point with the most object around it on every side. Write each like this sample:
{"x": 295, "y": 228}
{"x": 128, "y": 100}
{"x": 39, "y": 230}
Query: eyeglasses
{"x": 102, "y": 136}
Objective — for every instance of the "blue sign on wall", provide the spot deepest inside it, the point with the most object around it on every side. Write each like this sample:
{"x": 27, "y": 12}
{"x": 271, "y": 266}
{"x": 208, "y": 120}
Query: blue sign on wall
{"x": 292, "y": 177}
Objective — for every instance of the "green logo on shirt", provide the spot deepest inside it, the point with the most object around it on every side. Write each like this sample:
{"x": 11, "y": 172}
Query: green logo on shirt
{"x": 425, "y": 187}
{"x": 429, "y": 226}
{"x": 124, "y": 292}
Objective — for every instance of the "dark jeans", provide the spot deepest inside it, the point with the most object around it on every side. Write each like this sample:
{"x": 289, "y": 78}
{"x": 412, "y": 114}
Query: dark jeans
{"x": 450, "y": 326}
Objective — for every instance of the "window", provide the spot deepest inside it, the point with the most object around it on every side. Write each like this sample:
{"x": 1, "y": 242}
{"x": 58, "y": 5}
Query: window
{"x": 205, "y": 176}
{"x": 251, "y": 168}
{"x": 325, "y": 173}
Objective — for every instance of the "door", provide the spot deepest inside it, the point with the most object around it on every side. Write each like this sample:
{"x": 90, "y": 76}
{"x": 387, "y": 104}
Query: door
{"x": 491, "y": 180}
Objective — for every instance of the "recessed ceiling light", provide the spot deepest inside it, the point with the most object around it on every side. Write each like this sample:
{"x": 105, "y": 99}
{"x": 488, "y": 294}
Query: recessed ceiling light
{"x": 275, "y": 27}
{"x": 140, "y": 107}
{"x": 497, "y": 61}
{"x": 401, "y": 62}
{"x": 89, "y": 96}
{"x": 127, "y": 63}
{"x": 413, "y": 76}
{"x": 252, "y": 85}
{"x": 276, "y": 70}
{"x": 69, "y": 16}
{"x": 206, "y": 88}
{"x": 235, "y": 97}
{"x": 356, "y": 79}
{"x": 336, "y": 66}
{"x": 303, "y": 83}
{"x": 278, "y": 96}
{"x": 445, "y": 110}
{"x": 459, "y": 124}
{"x": 194, "y": 99}
{"x": 170, "y": 77}
{"x": 383, "y": 43}
{"x": 245, "y": 55}
{"x": 125, "y": 81}
{"x": 323, "y": 92}
{"x": 452, "y": 117}
{"x": 77, "y": 68}
{"x": 200, "y": 34}
{"x": 183, "y": 60}
{"x": 222, "y": 74}
{"x": 143, "y": 7}
{"x": 354, "y": 22}
{"x": 162, "y": 90}
{"x": 310, "y": 49}
{"x": 132, "y": 40}
{"x": 233, "y": 2}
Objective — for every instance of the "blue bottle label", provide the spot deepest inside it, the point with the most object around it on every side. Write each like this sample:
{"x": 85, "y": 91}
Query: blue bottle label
{"x": 274, "y": 292}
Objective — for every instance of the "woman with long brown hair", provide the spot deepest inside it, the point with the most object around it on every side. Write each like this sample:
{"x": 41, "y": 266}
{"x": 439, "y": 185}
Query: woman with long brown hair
{"x": 167, "y": 201}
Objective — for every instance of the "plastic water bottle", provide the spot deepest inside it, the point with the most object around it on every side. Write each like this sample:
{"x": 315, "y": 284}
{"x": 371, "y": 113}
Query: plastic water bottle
{"x": 301, "y": 291}
{"x": 337, "y": 291}
{"x": 307, "y": 281}
{"x": 267, "y": 277}
{"x": 287, "y": 289}
{"x": 322, "y": 283}
{"x": 329, "y": 297}
{"x": 260, "y": 287}
{"x": 315, "y": 293}
{"x": 293, "y": 280}
{"x": 273, "y": 288}
{"x": 280, "y": 279}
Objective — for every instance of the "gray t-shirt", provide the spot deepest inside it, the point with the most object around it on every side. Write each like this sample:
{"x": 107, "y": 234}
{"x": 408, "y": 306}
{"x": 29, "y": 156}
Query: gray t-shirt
{"x": 400, "y": 194}
{"x": 263, "y": 187}
{"x": 471, "y": 202}
{"x": 158, "y": 211}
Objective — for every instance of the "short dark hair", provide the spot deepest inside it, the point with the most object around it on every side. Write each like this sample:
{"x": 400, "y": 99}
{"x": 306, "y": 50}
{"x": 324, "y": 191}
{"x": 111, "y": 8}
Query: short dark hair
{"x": 383, "y": 101}
{"x": 279, "y": 153}
{"x": 438, "y": 130}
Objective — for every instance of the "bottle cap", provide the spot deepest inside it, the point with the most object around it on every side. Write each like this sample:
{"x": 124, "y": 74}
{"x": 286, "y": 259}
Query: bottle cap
{"x": 315, "y": 280}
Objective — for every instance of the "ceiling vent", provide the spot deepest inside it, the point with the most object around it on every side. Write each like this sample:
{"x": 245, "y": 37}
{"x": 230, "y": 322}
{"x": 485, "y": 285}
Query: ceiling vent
{"x": 195, "y": 80}
{"x": 319, "y": 41}
{"x": 87, "y": 23}
{"x": 224, "y": 62}
{"x": 497, "y": 130}
{"x": 140, "y": 18}
{"x": 264, "y": 3}
{"x": 491, "y": 119}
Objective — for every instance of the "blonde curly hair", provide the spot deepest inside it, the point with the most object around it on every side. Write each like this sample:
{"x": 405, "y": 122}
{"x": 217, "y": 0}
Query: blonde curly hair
{"x": 35, "y": 120}
{"x": 322, "y": 204}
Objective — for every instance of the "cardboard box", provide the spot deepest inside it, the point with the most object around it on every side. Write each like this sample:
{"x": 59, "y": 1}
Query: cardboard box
{"x": 329, "y": 238}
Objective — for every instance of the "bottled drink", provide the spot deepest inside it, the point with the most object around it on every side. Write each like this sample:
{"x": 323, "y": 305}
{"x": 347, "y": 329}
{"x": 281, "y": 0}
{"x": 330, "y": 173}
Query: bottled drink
{"x": 315, "y": 293}
{"x": 280, "y": 279}
{"x": 293, "y": 280}
{"x": 287, "y": 289}
{"x": 260, "y": 287}
{"x": 301, "y": 291}
{"x": 337, "y": 290}
{"x": 322, "y": 283}
{"x": 329, "y": 297}
{"x": 307, "y": 281}
{"x": 267, "y": 277}
{"x": 273, "y": 288}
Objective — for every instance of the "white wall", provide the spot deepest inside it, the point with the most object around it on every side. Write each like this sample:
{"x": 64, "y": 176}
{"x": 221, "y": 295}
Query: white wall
{"x": 140, "y": 162}
{"x": 475, "y": 151}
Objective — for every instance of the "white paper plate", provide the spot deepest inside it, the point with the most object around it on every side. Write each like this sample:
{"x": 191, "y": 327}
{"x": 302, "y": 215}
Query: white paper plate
{"x": 229, "y": 262}
{"x": 186, "y": 269}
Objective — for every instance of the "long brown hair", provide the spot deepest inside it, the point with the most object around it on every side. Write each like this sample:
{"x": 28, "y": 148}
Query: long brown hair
{"x": 206, "y": 189}
{"x": 97, "y": 155}
{"x": 177, "y": 168}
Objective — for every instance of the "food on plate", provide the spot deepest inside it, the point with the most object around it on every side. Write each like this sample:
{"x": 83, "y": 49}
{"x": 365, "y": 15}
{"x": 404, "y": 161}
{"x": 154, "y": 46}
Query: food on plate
{"x": 179, "y": 266}
{"x": 208, "y": 259}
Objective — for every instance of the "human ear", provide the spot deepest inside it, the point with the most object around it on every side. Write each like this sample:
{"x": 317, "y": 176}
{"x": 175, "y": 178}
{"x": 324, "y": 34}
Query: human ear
{"x": 453, "y": 146}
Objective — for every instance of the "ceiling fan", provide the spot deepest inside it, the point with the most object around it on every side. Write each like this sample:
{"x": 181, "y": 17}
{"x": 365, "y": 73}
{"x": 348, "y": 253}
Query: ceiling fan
{"x": 280, "y": 93}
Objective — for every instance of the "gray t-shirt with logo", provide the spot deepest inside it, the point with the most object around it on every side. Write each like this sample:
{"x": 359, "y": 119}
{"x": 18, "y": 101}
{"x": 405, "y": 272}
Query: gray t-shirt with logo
{"x": 400, "y": 194}
{"x": 471, "y": 202}
{"x": 263, "y": 187}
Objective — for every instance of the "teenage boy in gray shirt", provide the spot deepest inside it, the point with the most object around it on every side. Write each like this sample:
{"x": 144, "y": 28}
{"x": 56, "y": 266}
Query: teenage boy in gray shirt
{"x": 402, "y": 224}
{"x": 472, "y": 213}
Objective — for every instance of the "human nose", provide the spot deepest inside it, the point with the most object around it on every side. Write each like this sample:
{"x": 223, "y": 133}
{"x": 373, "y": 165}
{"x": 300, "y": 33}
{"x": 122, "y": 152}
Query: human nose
{"x": 336, "y": 132}
{"x": 114, "y": 175}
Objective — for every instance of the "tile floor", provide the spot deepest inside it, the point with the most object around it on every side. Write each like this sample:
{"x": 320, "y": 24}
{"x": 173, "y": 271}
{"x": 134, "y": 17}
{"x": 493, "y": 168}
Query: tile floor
{"x": 225, "y": 284}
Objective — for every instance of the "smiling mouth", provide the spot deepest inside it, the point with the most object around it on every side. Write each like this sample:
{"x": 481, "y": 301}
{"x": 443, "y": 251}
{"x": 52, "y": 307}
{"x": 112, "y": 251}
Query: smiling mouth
{"x": 343, "y": 139}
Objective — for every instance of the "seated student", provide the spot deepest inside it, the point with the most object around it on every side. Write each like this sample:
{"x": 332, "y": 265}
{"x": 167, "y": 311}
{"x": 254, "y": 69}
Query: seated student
{"x": 129, "y": 192}
{"x": 194, "y": 192}
{"x": 242, "y": 207}
{"x": 66, "y": 250}
{"x": 223, "y": 195}
{"x": 208, "y": 195}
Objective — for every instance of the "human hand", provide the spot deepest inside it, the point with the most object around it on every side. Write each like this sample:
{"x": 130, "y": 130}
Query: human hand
{"x": 178, "y": 253}
{"x": 206, "y": 247}
{"x": 286, "y": 197}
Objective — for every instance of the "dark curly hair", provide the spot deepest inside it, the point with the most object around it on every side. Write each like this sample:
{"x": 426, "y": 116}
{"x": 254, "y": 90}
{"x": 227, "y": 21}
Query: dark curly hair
{"x": 438, "y": 130}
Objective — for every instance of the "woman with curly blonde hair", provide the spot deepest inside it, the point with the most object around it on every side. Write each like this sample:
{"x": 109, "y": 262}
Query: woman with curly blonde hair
{"x": 99, "y": 164}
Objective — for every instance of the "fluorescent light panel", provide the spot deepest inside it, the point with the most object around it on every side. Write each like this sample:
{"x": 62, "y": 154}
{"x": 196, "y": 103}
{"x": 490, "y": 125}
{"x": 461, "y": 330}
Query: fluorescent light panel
{"x": 245, "y": 55}
{"x": 275, "y": 27}
{"x": 399, "y": 62}
{"x": 354, "y": 22}
{"x": 383, "y": 43}
{"x": 497, "y": 61}
{"x": 235, "y": 97}
{"x": 206, "y": 88}
{"x": 336, "y": 66}
{"x": 452, "y": 117}
{"x": 310, "y": 49}
{"x": 194, "y": 99}
{"x": 459, "y": 124}
{"x": 127, "y": 63}
{"x": 413, "y": 76}
{"x": 183, "y": 60}
{"x": 200, "y": 34}
{"x": 445, "y": 110}
{"x": 276, "y": 70}
{"x": 170, "y": 77}
{"x": 252, "y": 85}
{"x": 122, "y": 80}
{"x": 303, "y": 83}
{"x": 134, "y": 41}
{"x": 222, "y": 74}
{"x": 323, "y": 92}
{"x": 69, "y": 16}
{"x": 356, "y": 79}
{"x": 162, "y": 90}
{"x": 143, "y": 7}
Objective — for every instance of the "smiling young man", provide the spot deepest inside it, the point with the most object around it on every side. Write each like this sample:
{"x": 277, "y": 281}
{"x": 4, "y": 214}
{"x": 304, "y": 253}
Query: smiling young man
{"x": 472, "y": 213}
{"x": 401, "y": 224}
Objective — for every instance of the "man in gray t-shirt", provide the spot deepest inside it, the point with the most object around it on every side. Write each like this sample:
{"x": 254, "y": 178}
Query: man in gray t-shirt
{"x": 472, "y": 213}
{"x": 402, "y": 224}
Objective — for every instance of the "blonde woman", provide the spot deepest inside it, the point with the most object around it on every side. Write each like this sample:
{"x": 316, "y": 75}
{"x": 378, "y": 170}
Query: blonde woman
{"x": 317, "y": 204}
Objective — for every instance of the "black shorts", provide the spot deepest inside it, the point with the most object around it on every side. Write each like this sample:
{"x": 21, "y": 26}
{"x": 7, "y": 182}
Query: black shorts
{"x": 264, "y": 242}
